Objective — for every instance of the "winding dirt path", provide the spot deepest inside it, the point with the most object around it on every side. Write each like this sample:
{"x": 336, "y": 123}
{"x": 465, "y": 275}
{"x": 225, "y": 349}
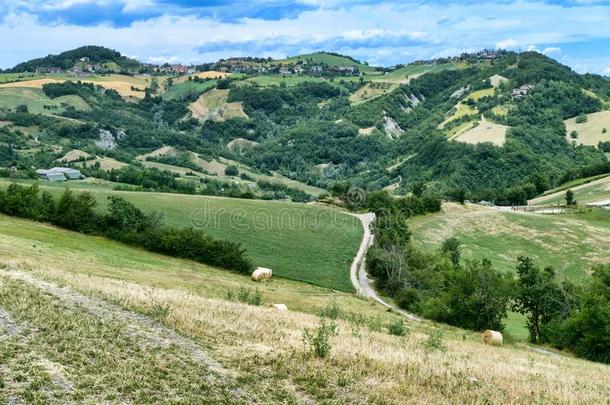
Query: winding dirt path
{"x": 360, "y": 280}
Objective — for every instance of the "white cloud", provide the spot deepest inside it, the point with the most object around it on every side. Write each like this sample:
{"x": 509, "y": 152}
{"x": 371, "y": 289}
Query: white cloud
{"x": 507, "y": 44}
{"x": 606, "y": 71}
{"x": 367, "y": 32}
{"x": 551, "y": 50}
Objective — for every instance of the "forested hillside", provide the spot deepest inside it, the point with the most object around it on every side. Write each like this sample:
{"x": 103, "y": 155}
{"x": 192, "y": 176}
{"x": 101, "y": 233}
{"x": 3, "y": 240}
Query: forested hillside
{"x": 466, "y": 128}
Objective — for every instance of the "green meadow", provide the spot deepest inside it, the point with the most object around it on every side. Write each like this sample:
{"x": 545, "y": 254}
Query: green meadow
{"x": 302, "y": 242}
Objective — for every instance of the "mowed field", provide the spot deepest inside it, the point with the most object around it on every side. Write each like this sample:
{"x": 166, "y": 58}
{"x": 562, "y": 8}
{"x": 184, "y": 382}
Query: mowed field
{"x": 122, "y": 325}
{"x": 486, "y": 131}
{"x": 595, "y": 190}
{"x": 36, "y": 100}
{"x": 126, "y": 86}
{"x": 571, "y": 243}
{"x": 298, "y": 241}
{"x": 592, "y": 131}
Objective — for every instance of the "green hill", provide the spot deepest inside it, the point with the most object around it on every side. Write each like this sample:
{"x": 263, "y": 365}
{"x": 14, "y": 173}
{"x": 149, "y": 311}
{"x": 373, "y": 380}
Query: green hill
{"x": 67, "y": 59}
{"x": 301, "y": 242}
{"x": 330, "y": 59}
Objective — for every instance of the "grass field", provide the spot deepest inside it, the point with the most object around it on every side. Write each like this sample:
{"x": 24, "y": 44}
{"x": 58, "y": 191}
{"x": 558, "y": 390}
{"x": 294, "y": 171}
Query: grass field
{"x": 121, "y": 83}
{"x": 370, "y": 91}
{"x": 459, "y": 111}
{"x": 125, "y": 326}
{"x": 186, "y": 88}
{"x": 301, "y": 242}
{"x": 406, "y": 73}
{"x": 106, "y": 163}
{"x": 213, "y": 105}
{"x": 291, "y": 80}
{"x": 36, "y": 100}
{"x": 590, "y": 132}
{"x": 486, "y": 131}
{"x": 586, "y": 191}
{"x": 330, "y": 60}
{"x": 571, "y": 243}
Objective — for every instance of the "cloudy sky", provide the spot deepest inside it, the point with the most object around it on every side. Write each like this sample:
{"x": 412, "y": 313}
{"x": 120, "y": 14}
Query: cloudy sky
{"x": 575, "y": 32}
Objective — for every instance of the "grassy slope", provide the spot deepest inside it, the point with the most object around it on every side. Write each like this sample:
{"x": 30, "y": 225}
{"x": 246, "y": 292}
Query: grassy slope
{"x": 261, "y": 348}
{"x": 555, "y": 240}
{"x": 187, "y": 87}
{"x": 35, "y": 100}
{"x": 300, "y": 242}
{"x": 590, "y": 132}
{"x": 589, "y": 190}
{"x": 330, "y": 60}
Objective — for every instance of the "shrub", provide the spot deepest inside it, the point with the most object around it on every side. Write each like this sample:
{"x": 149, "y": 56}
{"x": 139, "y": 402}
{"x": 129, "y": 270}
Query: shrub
{"x": 319, "y": 339}
{"x": 398, "y": 328}
{"x": 231, "y": 170}
{"x": 435, "y": 341}
{"x": 331, "y": 311}
{"x": 581, "y": 118}
{"x": 245, "y": 295}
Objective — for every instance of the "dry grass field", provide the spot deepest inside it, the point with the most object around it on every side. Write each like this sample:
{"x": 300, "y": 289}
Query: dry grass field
{"x": 213, "y": 105}
{"x": 73, "y": 155}
{"x": 121, "y": 83}
{"x": 486, "y": 131}
{"x": 121, "y": 325}
{"x": 592, "y": 131}
{"x": 371, "y": 91}
{"x": 502, "y": 236}
{"x": 106, "y": 163}
{"x": 163, "y": 151}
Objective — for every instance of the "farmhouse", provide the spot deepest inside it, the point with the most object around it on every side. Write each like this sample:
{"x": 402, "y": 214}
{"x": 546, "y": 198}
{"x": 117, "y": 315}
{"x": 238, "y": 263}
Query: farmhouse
{"x": 49, "y": 70}
{"x": 285, "y": 71}
{"x": 350, "y": 69}
{"x": 522, "y": 91}
{"x": 59, "y": 174}
{"x": 316, "y": 69}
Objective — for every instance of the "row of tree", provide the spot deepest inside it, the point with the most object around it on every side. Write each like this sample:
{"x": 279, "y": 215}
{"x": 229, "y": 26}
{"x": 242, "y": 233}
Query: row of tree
{"x": 124, "y": 222}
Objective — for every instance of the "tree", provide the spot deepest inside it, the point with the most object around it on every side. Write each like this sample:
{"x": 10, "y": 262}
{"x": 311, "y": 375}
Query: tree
{"x": 22, "y": 108}
{"x": 418, "y": 188}
{"x": 451, "y": 248}
{"x": 570, "y": 201}
{"x": 542, "y": 298}
{"x": 581, "y": 118}
{"x": 574, "y": 134}
{"x": 478, "y": 296}
{"x": 587, "y": 330}
{"x": 231, "y": 170}
{"x": 76, "y": 212}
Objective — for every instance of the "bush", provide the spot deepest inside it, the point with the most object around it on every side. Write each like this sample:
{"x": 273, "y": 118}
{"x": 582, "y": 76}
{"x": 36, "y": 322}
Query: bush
{"x": 231, "y": 170}
{"x": 581, "y": 118}
{"x": 245, "y": 295}
{"x": 319, "y": 340}
{"x": 398, "y": 328}
{"x": 331, "y": 311}
{"x": 435, "y": 341}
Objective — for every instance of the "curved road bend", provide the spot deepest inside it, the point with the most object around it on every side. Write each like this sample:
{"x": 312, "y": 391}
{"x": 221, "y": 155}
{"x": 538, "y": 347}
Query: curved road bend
{"x": 358, "y": 276}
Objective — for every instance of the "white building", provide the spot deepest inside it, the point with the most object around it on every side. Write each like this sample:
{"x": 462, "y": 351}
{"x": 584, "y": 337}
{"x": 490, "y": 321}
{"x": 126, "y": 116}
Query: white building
{"x": 59, "y": 174}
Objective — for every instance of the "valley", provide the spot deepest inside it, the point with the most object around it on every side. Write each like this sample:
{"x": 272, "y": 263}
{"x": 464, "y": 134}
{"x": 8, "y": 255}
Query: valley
{"x": 399, "y": 212}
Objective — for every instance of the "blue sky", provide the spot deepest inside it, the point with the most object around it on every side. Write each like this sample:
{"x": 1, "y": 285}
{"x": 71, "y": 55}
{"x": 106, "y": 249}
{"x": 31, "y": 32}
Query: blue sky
{"x": 575, "y": 32}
